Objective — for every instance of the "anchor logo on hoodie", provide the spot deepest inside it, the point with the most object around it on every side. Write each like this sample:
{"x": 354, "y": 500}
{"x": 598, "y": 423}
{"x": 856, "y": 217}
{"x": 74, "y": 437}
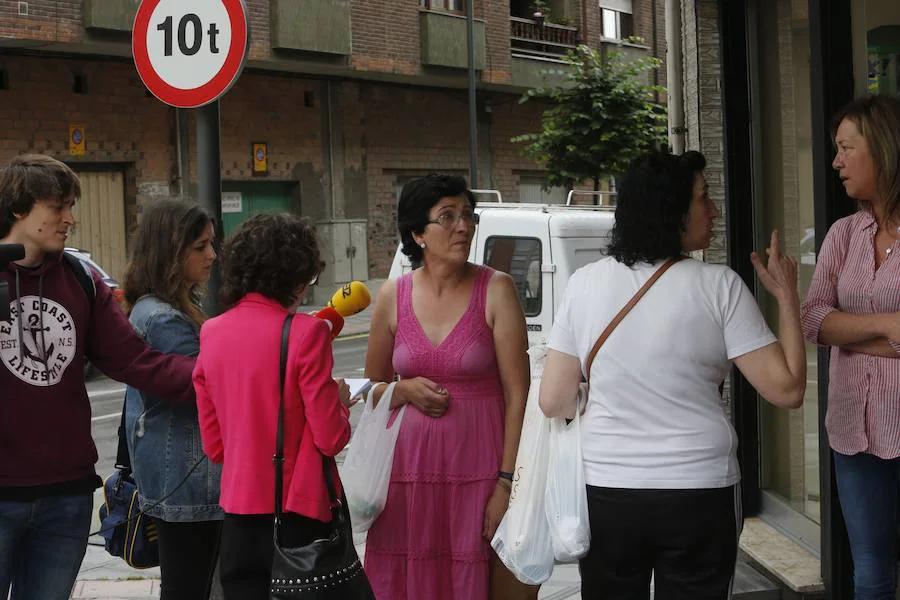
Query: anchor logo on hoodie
{"x": 37, "y": 345}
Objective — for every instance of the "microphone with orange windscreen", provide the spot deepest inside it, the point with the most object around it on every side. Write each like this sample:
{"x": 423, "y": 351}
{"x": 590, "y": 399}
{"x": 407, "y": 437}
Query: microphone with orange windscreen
{"x": 350, "y": 299}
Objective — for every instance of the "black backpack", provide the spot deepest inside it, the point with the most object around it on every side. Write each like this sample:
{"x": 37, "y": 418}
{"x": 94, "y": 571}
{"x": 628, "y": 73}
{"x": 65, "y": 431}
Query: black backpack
{"x": 85, "y": 280}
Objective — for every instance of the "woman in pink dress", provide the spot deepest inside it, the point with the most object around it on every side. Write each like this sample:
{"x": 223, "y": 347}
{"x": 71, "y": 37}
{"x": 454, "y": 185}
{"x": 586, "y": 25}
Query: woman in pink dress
{"x": 455, "y": 335}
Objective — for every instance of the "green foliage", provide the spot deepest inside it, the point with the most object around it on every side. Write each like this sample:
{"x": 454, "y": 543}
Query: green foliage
{"x": 602, "y": 118}
{"x": 541, "y": 6}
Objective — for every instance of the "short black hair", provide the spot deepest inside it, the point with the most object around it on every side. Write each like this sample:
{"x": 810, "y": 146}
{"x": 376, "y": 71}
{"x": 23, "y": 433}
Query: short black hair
{"x": 273, "y": 254}
{"x": 416, "y": 201}
{"x": 654, "y": 198}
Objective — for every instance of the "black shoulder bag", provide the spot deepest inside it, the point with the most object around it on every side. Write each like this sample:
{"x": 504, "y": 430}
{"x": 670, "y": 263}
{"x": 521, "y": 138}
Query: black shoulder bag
{"x": 325, "y": 569}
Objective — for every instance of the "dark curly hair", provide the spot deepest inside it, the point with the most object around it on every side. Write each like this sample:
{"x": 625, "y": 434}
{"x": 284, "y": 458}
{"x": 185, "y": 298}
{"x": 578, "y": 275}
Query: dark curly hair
{"x": 273, "y": 254}
{"x": 654, "y": 198}
{"x": 416, "y": 201}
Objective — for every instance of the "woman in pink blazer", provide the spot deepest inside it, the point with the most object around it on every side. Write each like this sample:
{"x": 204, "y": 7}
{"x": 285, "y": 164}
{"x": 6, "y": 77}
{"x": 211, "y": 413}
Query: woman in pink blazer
{"x": 268, "y": 266}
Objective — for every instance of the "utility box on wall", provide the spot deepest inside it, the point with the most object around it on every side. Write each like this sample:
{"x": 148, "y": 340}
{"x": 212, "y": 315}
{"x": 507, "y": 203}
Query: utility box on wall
{"x": 345, "y": 252}
{"x": 108, "y": 15}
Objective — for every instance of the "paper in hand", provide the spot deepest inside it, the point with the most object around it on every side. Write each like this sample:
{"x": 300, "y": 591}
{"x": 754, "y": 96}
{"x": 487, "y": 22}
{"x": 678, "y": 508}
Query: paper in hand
{"x": 358, "y": 388}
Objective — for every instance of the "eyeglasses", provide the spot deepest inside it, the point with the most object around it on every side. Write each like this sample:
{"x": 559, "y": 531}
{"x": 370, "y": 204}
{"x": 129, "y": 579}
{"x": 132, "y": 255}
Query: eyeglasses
{"x": 449, "y": 220}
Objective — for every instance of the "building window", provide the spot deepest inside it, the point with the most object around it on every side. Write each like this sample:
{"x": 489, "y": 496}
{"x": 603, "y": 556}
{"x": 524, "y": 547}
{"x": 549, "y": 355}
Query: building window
{"x": 617, "y": 25}
{"x": 455, "y": 6}
{"x": 519, "y": 257}
{"x": 617, "y": 19}
{"x": 784, "y": 200}
{"x": 531, "y": 191}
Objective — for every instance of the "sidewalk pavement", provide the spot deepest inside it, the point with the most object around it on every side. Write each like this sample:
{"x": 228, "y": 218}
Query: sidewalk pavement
{"x": 105, "y": 577}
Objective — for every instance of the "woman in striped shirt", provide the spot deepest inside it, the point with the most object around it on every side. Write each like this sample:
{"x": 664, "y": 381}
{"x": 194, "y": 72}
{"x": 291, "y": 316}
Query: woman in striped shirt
{"x": 853, "y": 305}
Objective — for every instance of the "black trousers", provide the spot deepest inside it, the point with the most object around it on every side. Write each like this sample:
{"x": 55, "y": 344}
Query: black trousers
{"x": 686, "y": 538}
{"x": 187, "y": 558}
{"x": 245, "y": 558}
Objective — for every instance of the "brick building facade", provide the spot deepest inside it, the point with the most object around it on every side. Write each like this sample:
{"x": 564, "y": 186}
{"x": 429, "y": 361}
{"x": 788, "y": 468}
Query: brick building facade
{"x": 347, "y": 117}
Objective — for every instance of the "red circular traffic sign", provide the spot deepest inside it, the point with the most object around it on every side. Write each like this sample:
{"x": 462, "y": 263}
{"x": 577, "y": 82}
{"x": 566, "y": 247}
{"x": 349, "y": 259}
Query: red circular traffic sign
{"x": 189, "y": 54}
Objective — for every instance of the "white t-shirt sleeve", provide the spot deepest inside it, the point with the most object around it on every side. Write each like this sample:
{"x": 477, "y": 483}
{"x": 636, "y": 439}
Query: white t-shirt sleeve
{"x": 743, "y": 324}
{"x": 562, "y": 336}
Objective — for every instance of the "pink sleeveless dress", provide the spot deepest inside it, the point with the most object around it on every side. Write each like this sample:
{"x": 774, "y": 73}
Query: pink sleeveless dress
{"x": 427, "y": 543}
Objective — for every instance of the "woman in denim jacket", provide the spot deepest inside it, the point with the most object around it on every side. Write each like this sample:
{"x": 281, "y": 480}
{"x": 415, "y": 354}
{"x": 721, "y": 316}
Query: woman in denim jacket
{"x": 172, "y": 257}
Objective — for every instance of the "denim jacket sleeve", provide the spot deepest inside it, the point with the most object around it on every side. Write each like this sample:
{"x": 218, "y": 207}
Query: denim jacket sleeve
{"x": 119, "y": 352}
{"x": 170, "y": 331}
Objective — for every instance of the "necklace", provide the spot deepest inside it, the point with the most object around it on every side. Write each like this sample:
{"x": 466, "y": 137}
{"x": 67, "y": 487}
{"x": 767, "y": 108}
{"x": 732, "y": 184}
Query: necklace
{"x": 890, "y": 248}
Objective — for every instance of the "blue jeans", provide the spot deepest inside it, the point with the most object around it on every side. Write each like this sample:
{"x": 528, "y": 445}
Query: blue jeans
{"x": 42, "y": 544}
{"x": 868, "y": 488}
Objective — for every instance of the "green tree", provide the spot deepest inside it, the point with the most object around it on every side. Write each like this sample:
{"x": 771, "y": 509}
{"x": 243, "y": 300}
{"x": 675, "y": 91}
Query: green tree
{"x": 602, "y": 117}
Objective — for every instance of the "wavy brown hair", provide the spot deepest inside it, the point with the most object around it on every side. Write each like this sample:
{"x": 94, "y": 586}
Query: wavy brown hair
{"x": 274, "y": 254}
{"x": 164, "y": 238}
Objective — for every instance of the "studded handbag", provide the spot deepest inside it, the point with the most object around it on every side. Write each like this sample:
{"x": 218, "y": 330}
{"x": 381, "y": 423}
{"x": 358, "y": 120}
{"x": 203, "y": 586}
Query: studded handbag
{"x": 325, "y": 569}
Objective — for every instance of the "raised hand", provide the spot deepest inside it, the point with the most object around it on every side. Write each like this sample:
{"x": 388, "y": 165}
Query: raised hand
{"x": 779, "y": 275}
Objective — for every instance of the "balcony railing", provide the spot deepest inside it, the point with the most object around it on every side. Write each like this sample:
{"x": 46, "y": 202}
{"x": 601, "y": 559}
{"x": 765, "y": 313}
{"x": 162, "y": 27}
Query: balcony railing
{"x": 530, "y": 37}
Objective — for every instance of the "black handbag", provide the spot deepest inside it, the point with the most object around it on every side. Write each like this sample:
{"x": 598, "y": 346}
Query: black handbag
{"x": 325, "y": 569}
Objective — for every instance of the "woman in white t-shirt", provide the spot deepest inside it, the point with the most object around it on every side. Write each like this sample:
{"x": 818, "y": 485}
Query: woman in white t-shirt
{"x": 659, "y": 450}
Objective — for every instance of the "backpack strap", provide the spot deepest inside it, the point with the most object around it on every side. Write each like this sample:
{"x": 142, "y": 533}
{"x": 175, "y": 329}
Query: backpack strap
{"x": 84, "y": 278}
{"x": 87, "y": 283}
{"x": 123, "y": 458}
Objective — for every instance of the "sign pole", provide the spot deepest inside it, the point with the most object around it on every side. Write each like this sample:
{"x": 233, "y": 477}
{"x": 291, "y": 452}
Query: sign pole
{"x": 209, "y": 190}
{"x": 188, "y": 54}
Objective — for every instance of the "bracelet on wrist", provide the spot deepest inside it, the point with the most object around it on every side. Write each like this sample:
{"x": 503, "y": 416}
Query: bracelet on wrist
{"x": 507, "y": 475}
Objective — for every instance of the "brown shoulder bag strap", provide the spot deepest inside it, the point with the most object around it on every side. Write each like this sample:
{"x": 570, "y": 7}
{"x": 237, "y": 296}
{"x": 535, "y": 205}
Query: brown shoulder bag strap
{"x": 625, "y": 310}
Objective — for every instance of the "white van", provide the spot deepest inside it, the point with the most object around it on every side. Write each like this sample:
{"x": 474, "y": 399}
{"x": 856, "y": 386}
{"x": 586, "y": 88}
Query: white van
{"x": 540, "y": 245}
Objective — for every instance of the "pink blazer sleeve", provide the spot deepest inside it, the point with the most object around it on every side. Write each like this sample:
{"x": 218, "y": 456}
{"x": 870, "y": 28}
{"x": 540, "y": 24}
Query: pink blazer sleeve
{"x": 327, "y": 418}
{"x": 210, "y": 432}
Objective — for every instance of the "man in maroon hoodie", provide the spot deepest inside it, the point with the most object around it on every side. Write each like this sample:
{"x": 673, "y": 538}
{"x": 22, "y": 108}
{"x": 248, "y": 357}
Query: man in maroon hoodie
{"x": 47, "y": 455}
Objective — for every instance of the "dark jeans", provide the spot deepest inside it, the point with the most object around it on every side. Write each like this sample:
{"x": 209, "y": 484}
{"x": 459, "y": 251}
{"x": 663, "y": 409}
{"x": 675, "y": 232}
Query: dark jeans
{"x": 245, "y": 557}
{"x": 187, "y": 558}
{"x": 686, "y": 538}
{"x": 42, "y": 544}
{"x": 867, "y": 488}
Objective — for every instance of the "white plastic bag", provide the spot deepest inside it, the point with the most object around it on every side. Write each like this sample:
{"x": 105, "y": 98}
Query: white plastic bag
{"x": 522, "y": 540}
{"x": 366, "y": 473}
{"x": 566, "y": 495}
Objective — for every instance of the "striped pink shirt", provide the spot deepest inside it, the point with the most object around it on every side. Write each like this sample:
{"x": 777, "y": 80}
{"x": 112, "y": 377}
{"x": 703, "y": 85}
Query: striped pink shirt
{"x": 864, "y": 391}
